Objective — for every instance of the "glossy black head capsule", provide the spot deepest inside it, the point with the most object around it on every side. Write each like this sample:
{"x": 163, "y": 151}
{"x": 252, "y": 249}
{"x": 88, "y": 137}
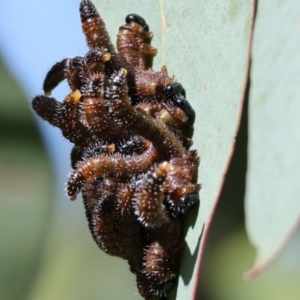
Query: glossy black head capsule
{"x": 176, "y": 93}
{"x": 137, "y": 19}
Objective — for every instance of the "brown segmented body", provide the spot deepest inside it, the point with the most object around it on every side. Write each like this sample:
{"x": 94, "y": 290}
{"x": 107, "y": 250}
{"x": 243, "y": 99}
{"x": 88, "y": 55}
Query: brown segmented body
{"x": 133, "y": 45}
{"x": 131, "y": 128}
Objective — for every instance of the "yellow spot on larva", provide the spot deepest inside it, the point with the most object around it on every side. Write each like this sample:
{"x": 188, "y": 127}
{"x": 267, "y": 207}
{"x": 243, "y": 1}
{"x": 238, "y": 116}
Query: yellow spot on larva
{"x": 76, "y": 96}
{"x": 106, "y": 57}
{"x": 111, "y": 148}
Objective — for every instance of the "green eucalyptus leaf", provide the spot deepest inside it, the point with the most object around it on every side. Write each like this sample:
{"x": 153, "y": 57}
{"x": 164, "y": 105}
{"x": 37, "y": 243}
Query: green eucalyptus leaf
{"x": 205, "y": 45}
{"x": 25, "y": 191}
{"x": 273, "y": 185}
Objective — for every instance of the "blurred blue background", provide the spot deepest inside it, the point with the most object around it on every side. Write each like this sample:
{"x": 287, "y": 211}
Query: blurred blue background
{"x": 34, "y": 35}
{"x": 46, "y": 250}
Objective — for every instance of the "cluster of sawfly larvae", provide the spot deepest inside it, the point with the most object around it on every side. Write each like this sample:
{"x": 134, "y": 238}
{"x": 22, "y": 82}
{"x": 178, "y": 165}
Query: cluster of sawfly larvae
{"x": 131, "y": 128}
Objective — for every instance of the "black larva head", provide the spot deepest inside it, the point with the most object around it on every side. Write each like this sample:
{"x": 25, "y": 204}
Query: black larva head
{"x": 176, "y": 93}
{"x": 175, "y": 90}
{"x": 137, "y": 19}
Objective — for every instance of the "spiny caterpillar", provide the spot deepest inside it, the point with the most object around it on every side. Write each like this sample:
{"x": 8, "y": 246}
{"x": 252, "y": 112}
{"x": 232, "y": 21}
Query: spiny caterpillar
{"x": 131, "y": 128}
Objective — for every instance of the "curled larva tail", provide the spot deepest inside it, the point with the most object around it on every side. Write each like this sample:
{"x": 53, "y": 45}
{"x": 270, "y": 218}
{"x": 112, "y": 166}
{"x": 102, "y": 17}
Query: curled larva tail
{"x": 64, "y": 116}
{"x": 54, "y": 76}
